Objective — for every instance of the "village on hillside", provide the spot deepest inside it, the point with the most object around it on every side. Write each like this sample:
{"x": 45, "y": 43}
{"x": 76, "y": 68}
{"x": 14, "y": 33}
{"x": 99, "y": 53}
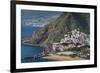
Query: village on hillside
{"x": 75, "y": 38}
{"x": 74, "y": 46}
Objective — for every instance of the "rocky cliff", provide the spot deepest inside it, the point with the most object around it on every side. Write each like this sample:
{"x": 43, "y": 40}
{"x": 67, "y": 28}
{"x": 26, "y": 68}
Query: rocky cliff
{"x": 53, "y": 32}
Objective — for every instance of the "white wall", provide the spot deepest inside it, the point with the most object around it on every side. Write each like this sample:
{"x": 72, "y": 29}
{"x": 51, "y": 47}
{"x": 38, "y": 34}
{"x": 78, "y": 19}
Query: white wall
{"x": 5, "y": 41}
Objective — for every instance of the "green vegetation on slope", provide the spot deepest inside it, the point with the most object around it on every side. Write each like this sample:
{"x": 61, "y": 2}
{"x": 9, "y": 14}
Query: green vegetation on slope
{"x": 54, "y": 31}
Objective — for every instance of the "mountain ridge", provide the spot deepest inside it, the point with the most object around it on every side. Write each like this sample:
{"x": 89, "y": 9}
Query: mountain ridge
{"x": 53, "y": 32}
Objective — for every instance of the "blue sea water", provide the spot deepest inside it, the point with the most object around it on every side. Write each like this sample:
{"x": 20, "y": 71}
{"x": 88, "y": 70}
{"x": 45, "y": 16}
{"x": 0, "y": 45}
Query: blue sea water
{"x": 26, "y": 31}
{"x": 29, "y": 51}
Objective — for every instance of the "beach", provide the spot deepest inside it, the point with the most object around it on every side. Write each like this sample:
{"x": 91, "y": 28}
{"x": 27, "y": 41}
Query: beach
{"x": 61, "y": 58}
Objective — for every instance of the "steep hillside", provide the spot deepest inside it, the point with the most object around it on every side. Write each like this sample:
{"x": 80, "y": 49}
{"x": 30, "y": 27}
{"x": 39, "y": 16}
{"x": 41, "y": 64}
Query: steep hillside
{"x": 54, "y": 31}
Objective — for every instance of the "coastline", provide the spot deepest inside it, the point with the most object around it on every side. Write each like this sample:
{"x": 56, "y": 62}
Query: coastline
{"x": 61, "y": 58}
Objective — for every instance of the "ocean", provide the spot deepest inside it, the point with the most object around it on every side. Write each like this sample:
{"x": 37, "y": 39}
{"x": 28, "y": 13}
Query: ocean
{"x": 29, "y": 51}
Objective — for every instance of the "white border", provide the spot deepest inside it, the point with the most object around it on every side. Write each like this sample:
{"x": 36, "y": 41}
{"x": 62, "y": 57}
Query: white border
{"x": 20, "y": 65}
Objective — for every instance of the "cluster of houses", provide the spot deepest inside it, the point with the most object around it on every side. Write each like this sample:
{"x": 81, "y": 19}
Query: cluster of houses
{"x": 75, "y": 38}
